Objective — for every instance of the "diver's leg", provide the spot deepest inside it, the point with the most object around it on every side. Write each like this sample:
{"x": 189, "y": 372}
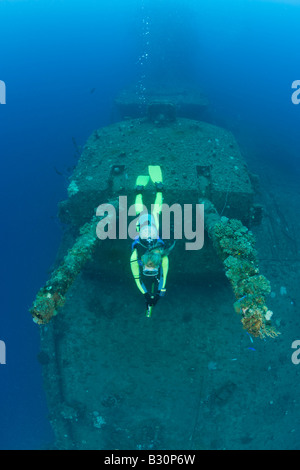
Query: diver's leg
{"x": 140, "y": 184}
{"x": 157, "y": 207}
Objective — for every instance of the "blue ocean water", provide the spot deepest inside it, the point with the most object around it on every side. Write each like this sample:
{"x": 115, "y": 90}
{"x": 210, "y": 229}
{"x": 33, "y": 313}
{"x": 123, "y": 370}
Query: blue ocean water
{"x": 63, "y": 63}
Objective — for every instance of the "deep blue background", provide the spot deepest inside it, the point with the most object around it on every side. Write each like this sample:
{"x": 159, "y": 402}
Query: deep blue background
{"x": 244, "y": 54}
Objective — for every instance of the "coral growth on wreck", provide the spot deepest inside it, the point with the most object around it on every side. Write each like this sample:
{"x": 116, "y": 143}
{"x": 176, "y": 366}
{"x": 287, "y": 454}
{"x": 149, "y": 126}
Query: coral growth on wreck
{"x": 235, "y": 245}
{"x": 52, "y": 296}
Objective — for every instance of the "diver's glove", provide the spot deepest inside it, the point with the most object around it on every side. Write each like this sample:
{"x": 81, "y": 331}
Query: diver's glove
{"x": 151, "y": 300}
{"x": 147, "y": 297}
{"x": 155, "y": 299}
{"x": 162, "y": 292}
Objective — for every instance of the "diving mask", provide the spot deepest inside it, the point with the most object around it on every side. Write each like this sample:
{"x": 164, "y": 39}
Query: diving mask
{"x": 147, "y": 271}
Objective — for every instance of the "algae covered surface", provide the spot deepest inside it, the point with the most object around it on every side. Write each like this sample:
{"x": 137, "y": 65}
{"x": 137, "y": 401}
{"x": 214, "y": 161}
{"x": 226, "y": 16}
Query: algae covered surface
{"x": 188, "y": 378}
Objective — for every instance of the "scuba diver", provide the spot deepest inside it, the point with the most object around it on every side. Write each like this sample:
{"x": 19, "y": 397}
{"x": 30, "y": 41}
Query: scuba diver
{"x": 149, "y": 259}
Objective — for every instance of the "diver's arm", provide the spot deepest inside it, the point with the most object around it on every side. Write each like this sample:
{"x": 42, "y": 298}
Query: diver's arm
{"x": 135, "y": 269}
{"x": 163, "y": 280}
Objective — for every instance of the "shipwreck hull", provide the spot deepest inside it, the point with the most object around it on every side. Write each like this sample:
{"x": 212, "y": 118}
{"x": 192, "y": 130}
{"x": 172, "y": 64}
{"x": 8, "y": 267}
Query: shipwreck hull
{"x": 196, "y": 158}
{"x": 118, "y": 380}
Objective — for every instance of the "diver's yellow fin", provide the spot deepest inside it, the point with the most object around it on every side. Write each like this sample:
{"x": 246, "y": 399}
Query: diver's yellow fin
{"x": 142, "y": 180}
{"x": 155, "y": 173}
